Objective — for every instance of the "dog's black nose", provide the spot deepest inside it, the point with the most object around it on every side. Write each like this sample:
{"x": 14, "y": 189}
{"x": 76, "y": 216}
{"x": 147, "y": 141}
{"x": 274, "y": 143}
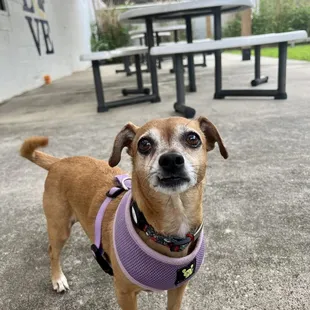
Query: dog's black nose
{"x": 171, "y": 162}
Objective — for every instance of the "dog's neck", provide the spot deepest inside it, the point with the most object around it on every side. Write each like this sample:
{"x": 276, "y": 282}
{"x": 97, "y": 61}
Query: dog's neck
{"x": 175, "y": 214}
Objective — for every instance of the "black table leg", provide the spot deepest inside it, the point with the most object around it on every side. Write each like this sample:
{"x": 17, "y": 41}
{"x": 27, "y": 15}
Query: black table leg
{"x": 180, "y": 106}
{"x": 126, "y": 61}
{"x": 146, "y": 58}
{"x": 101, "y": 107}
{"x": 246, "y": 54}
{"x": 139, "y": 73}
{"x": 218, "y": 53}
{"x": 204, "y": 64}
{"x": 152, "y": 60}
{"x": 282, "y": 71}
{"x": 176, "y": 40}
{"x": 176, "y": 36}
{"x": 142, "y": 56}
{"x": 127, "y": 65}
{"x": 139, "y": 89}
{"x": 158, "y": 41}
{"x": 190, "y": 58}
{"x": 258, "y": 79}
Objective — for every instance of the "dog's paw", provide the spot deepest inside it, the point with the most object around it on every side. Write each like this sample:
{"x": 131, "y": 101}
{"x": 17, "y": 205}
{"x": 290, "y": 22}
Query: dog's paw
{"x": 60, "y": 284}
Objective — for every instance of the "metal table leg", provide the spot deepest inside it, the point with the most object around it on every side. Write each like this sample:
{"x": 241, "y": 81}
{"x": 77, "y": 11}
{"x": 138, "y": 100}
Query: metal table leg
{"x": 180, "y": 106}
{"x": 282, "y": 71}
{"x": 142, "y": 57}
{"x": 176, "y": 40}
{"x": 126, "y": 61}
{"x": 258, "y": 79}
{"x": 158, "y": 41}
{"x": 146, "y": 58}
{"x": 218, "y": 54}
{"x": 152, "y": 60}
{"x": 139, "y": 89}
{"x": 176, "y": 36}
{"x": 204, "y": 64}
{"x": 139, "y": 73}
{"x": 190, "y": 58}
{"x": 101, "y": 107}
{"x": 127, "y": 65}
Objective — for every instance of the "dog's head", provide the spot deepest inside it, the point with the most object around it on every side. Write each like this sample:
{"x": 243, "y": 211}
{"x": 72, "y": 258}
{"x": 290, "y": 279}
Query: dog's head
{"x": 170, "y": 155}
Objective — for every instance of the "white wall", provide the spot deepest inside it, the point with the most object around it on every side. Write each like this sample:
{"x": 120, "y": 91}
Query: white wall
{"x": 21, "y": 66}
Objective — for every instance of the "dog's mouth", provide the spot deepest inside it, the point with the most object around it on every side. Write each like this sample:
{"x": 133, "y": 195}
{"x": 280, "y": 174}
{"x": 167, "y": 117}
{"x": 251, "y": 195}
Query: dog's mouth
{"x": 172, "y": 181}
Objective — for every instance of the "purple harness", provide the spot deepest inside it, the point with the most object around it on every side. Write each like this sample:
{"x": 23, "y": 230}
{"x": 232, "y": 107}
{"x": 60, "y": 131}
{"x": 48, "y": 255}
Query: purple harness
{"x": 142, "y": 265}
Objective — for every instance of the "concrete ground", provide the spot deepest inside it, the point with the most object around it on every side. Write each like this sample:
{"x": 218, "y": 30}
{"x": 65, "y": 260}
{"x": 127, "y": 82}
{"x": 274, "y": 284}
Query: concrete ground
{"x": 256, "y": 203}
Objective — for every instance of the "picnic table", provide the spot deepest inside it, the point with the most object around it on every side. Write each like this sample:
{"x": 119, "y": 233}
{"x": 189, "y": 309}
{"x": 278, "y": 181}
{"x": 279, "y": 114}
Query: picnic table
{"x": 186, "y": 11}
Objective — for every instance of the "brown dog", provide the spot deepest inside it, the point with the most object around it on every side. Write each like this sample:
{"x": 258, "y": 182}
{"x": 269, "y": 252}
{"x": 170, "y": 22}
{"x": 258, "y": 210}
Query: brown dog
{"x": 169, "y": 158}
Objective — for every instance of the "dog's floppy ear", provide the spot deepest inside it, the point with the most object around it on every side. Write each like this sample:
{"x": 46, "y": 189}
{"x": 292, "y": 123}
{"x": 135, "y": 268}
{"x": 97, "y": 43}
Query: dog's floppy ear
{"x": 212, "y": 136}
{"x": 123, "y": 139}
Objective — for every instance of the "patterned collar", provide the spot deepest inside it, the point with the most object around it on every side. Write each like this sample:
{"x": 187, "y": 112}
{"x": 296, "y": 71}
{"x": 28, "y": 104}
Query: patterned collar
{"x": 174, "y": 243}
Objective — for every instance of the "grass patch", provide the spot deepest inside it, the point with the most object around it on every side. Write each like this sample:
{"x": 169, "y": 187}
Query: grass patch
{"x": 299, "y": 52}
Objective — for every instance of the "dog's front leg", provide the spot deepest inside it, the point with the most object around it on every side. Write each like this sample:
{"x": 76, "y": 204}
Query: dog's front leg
{"x": 126, "y": 297}
{"x": 175, "y": 297}
{"x": 127, "y": 300}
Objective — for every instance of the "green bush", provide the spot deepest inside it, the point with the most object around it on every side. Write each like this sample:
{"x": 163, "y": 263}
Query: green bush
{"x": 288, "y": 17}
{"x": 233, "y": 28}
{"x": 263, "y": 23}
{"x": 300, "y": 19}
{"x": 109, "y": 33}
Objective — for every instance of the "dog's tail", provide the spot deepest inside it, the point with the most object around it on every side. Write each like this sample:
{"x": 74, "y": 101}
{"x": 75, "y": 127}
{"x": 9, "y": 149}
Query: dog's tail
{"x": 28, "y": 150}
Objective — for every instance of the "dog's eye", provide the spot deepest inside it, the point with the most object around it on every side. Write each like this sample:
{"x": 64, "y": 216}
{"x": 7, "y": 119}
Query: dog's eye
{"x": 144, "y": 146}
{"x": 193, "y": 140}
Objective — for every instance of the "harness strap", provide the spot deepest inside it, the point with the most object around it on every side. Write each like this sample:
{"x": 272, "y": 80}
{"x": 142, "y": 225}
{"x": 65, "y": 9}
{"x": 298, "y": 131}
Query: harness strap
{"x": 124, "y": 184}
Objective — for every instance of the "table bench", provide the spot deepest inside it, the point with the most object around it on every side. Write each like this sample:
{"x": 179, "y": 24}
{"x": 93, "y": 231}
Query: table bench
{"x": 142, "y": 36}
{"x": 98, "y": 58}
{"x": 204, "y": 55}
{"x": 178, "y": 50}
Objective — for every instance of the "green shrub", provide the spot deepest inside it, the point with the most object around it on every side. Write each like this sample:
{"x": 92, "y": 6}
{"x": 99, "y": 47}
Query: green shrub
{"x": 288, "y": 17}
{"x": 300, "y": 19}
{"x": 233, "y": 27}
{"x": 263, "y": 23}
{"x": 109, "y": 33}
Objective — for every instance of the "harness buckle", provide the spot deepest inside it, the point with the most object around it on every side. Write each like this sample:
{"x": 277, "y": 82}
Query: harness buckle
{"x": 101, "y": 260}
{"x": 122, "y": 183}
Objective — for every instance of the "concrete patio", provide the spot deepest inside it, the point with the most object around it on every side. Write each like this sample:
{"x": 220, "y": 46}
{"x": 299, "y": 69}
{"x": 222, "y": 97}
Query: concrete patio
{"x": 257, "y": 216}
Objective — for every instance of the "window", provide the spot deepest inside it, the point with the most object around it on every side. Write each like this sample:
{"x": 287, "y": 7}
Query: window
{"x": 2, "y": 5}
